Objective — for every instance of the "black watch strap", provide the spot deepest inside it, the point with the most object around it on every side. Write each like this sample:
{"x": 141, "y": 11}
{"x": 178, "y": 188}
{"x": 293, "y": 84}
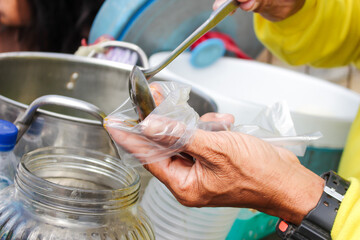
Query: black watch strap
{"x": 318, "y": 223}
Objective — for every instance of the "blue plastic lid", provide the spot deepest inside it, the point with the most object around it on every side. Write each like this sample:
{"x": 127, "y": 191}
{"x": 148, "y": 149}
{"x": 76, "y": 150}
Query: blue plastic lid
{"x": 8, "y": 135}
{"x": 115, "y": 17}
{"x": 207, "y": 53}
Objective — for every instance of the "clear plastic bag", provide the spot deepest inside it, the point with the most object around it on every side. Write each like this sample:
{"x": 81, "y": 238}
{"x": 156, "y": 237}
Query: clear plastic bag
{"x": 179, "y": 121}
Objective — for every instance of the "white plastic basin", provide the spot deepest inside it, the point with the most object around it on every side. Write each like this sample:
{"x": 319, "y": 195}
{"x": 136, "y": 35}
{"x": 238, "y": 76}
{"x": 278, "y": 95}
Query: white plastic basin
{"x": 243, "y": 87}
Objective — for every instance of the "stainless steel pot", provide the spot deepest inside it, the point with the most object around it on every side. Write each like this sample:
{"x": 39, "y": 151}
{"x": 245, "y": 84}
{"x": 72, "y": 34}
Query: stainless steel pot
{"x": 27, "y": 76}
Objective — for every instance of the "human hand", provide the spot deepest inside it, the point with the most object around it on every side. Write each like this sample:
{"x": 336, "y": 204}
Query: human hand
{"x": 273, "y": 10}
{"x": 231, "y": 170}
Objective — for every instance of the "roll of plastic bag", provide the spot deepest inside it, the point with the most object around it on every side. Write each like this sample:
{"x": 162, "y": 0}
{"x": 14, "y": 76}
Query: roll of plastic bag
{"x": 178, "y": 121}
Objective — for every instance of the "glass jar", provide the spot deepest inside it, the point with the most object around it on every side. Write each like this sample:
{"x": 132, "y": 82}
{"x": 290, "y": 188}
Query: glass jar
{"x": 64, "y": 193}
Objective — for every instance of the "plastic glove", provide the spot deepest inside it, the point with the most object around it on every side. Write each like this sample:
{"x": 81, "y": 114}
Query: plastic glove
{"x": 231, "y": 169}
{"x": 273, "y": 10}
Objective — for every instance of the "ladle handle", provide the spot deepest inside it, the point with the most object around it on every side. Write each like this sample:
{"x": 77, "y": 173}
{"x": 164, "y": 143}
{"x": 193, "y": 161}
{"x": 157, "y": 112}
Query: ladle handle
{"x": 24, "y": 120}
{"x": 217, "y": 16}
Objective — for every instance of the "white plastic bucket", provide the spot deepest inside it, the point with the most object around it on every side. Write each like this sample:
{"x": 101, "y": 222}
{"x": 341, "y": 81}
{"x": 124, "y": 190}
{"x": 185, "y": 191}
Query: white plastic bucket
{"x": 243, "y": 87}
{"x": 171, "y": 220}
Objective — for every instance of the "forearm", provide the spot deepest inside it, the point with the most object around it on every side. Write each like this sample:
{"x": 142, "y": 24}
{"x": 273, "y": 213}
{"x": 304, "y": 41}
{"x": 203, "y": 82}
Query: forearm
{"x": 297, "y": 195}
{"x": 291, "y": 189}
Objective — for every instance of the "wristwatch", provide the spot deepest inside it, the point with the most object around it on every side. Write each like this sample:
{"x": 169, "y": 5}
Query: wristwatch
{"x": 317, "y": 224}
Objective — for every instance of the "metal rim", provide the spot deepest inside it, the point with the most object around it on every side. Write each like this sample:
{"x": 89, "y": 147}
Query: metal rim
{"x": 64, "y": 57}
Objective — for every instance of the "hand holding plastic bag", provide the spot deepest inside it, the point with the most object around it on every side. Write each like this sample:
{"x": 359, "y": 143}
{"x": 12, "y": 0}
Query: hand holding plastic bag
{"x": 172, "y": 99}
{"x": 231, "y": 169}
{"x": 178, "y": 123}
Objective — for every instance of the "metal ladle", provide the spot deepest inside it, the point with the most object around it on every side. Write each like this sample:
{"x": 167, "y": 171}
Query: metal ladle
{"x": 139, "y": 90}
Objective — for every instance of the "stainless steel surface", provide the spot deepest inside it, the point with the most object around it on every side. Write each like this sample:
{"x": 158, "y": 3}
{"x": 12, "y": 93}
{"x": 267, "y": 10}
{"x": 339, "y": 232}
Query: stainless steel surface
{"x": 27, "y": 76}
{"x": 140, "y": 93}
{"x": 142, "y": 55}
{"x": 24, "y": 120}
{"x": 215, "y": 18}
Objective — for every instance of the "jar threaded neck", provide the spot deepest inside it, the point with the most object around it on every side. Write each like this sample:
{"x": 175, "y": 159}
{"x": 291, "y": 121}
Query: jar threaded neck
{"x": 76, "y": 181}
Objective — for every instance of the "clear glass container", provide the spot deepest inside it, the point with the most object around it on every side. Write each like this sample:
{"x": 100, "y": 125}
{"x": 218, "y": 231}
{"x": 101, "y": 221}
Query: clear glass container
{"x": 7, "y": 168}
{"x": 64, "y": 193}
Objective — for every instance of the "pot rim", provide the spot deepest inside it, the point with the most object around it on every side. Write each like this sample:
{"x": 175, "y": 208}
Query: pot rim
{"x": 64, "y": 57}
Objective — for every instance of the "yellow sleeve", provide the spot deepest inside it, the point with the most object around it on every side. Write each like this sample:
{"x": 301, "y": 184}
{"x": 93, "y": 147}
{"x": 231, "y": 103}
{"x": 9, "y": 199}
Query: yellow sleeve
{"x": 324, "y": 33}
{"x": 350, "y": 159}
{"x": 347, "y": 221}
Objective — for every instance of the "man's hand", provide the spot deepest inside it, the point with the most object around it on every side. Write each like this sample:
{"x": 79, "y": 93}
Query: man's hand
{"x": 273, "y": 10}
{"x": 231, "y": 169}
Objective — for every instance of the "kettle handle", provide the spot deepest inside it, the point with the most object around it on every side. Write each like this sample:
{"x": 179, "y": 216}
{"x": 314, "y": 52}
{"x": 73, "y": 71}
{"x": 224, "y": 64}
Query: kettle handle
{"x": 24, "y": 120}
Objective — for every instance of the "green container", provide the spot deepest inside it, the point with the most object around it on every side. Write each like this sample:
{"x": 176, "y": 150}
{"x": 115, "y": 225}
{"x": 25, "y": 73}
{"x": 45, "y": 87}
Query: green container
{"x": 320, "y": 160}
{"x": 251, "y": 224}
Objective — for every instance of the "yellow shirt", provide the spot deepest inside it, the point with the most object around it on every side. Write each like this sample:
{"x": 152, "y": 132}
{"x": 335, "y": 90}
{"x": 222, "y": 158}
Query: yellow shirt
{"x": 325, "y": 33}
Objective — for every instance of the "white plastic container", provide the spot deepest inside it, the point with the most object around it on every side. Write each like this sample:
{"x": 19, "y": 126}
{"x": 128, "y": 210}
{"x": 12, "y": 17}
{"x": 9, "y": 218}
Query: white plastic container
{"x": 243, "y": 87}
{"x": 171, "y": 220}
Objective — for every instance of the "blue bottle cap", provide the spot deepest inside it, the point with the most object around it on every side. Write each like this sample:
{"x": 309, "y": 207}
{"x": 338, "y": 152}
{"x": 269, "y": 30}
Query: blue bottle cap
{"x": 207, "y": 53}
{"x": 8, "y": 135}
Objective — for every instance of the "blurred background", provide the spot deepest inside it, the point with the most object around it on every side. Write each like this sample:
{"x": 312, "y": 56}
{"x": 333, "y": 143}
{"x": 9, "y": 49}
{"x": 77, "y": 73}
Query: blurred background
{"x": 60, "y": 26}
{"x": 49, "y": 26}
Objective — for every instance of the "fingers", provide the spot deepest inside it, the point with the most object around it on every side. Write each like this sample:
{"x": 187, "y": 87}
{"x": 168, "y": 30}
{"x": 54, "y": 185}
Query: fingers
{"x": 159, "y": 134}
{"x": 169, "y": 170}
{"x": 216, "y": 122}
{"x": 218, "y": 117}
{"x": 172, "y": 172}
{"x": 157, "y": 93}
{"x": 164, "y": 131}
{"x": 135, "y": 144}
{"x": 174, "y": 135}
